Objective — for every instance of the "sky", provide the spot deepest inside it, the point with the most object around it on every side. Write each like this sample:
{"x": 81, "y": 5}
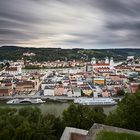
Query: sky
{"x": 89, "y": 24}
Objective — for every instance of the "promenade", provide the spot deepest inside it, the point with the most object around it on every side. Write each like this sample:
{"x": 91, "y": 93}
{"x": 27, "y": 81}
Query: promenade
{"x": 55, "y": 98}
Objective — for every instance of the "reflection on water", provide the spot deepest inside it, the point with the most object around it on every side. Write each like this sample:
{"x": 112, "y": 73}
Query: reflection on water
{"x": 55, "y": 108}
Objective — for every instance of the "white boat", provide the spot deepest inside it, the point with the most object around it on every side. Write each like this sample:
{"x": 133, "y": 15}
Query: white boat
{"x": 95, "y": 101}
{"x": 25, "y": 101}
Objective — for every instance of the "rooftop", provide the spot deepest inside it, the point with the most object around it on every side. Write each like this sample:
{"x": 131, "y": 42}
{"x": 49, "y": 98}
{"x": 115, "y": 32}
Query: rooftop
{"x": 11, "y": 69}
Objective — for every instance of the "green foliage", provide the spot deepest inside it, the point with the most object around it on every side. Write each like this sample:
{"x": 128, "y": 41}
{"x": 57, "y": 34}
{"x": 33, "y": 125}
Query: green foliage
{"x": 51, "y": 54}
{"x": 44, "y": 130}
{"x": 31, "y": 114}
{"x": 58, "y": 125}
{"x": 120, "y": 92}
{"x": 104, "y": 135}
{"x": 83, "y": 117}
{"x": 23, "y": 132}
{"x": 127, "y": 114}
{"x": 28, "y": 124}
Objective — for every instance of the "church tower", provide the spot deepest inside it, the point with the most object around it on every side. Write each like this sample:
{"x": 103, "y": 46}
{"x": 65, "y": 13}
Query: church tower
{"x": 106, "y": 60}
{"x": 93, "y": 60}
{"x": 111, "y": 63}
{"x": 36, "y": 81}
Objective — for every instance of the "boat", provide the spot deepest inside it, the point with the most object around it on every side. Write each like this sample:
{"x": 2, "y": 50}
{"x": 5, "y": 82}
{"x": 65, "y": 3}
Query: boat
{"x": 25, "y": 101}
{"x": 95, "y": 101}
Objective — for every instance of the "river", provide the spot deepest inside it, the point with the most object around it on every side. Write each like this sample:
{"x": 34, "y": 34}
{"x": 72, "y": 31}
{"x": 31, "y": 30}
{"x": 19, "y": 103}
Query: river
{"x": 55, "y": 108}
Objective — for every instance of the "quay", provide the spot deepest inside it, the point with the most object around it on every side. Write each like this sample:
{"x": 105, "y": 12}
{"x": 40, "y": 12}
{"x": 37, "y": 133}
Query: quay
{"x": 54, "y": 98}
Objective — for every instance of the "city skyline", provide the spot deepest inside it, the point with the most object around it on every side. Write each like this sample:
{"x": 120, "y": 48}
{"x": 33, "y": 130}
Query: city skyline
{"x": 88, "y": 24}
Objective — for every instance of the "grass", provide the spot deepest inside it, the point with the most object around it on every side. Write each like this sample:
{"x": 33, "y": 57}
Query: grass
{"x": 104, "y": 135}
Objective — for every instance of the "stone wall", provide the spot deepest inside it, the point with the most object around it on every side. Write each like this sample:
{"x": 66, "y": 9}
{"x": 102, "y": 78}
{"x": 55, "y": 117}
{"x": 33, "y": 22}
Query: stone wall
{"x": 96, "y": 128}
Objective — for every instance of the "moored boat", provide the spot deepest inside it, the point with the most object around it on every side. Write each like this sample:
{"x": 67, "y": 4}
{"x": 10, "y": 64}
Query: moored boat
{"x": 25, "y": 101}
{"x": 95, "y": 101}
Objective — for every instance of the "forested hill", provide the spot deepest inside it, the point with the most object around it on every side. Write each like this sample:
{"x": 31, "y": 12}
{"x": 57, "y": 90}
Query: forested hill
{"x": 51, "y": 54}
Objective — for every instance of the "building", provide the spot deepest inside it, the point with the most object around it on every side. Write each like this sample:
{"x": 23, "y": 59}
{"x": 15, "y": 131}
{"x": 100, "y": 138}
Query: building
{"x": 59, "y": 89}
{"x": 76, "y": 92}
{"x": 134, "y": 87}
{"x": 130, "y": 58}
{"x": 100, "y": 66}
{"x": 25, "y": 86}
{"x": 49, "y": 91}
{"x": 122, "y": 70}
{"x": 13, "y": 70}
{"x": 5, "y": 91}
{"x": 29, "y": 54}
{"x": 137, "y": 68}
{"x": 98, "y": 80}
{"x": 47, "y": 83}
{"x": 87, "y": 91}
{"x": 105, "y": 64}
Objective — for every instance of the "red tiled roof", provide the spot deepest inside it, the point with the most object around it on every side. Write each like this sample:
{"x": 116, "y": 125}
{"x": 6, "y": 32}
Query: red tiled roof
{"x": 11, "y": 69}
{"x": 8, "y": 84}
{"x": 22, "y": 83}
{"x": 4, "y": 91}
{"x": 122, "y": 67}
{"x": 103, "y": 69}
{"x": 101, "y": 64}
{"x": 122, "y": 76}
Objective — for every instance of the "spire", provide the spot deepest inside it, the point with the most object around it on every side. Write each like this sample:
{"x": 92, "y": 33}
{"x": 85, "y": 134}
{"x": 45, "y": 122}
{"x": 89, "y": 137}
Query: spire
{"x": 93, "y": 60}
{"x": 111, "y": 62}
{"x": 107, "y": 60}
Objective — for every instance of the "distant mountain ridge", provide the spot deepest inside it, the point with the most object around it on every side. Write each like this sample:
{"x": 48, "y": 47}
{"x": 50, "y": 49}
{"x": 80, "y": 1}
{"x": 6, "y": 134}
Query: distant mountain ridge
{"x": 51, "y": 54}
{"x": 9, "y": 46}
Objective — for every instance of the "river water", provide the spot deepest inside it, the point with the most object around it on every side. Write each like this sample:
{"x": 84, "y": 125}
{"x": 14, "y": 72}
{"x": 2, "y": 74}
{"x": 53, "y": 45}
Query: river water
{"x": 55, "y": 108}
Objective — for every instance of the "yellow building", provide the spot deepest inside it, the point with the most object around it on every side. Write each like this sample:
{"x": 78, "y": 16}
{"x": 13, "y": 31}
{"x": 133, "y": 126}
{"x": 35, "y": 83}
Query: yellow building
{"x": 87, "y": 92}
{"x": 98, "y": 81}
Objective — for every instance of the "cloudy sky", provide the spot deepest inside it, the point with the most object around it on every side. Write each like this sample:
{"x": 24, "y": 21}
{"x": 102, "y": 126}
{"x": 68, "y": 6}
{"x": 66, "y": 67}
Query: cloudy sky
{"x": 70, "y": 23}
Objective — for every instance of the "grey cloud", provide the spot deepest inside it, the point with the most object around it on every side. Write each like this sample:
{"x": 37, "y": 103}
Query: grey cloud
{"x": 87, "y": 23}
{"x": 116, "y": 7}
{"x": 131, "y": 25}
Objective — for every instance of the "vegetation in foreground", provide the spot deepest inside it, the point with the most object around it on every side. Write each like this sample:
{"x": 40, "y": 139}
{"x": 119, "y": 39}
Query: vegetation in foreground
{"x": 127, "y": 114}
{"x": 104, "y": 135}
{"x": 30, "y": 124}
{"x": 83, "y": 117}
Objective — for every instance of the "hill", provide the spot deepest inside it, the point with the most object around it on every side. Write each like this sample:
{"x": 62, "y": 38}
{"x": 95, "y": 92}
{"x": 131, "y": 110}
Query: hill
{"x": 51, "y": 54}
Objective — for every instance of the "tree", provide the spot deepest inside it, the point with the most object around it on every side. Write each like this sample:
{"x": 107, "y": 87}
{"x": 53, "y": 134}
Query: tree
{"x": 7, "y": 64}
{"x": 44, "y": 130}
{"x": 127, "y": 114}
{"x": 23, "y": 132}
{"x": 5, "y": 135}
{"x": 120, "y": 92}
{"x": 83, "y": 117}
{"x": 32, "y": 114}
{"x": 58, "y": 125}
{"x": 28, "y": 124}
